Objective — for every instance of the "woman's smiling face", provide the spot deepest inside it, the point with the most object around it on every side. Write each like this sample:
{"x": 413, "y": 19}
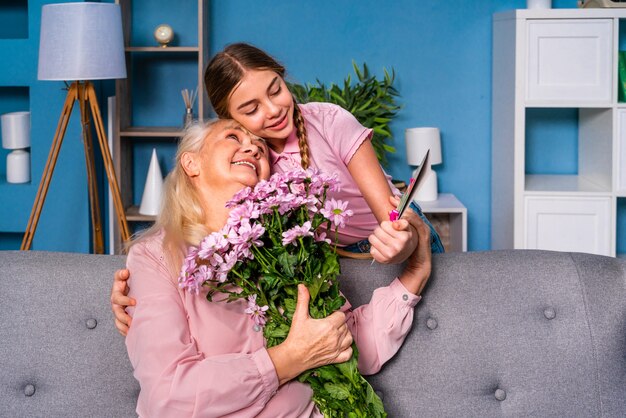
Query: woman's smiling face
{"x": 232, "y": 158}
{"x": 263, "y": 104}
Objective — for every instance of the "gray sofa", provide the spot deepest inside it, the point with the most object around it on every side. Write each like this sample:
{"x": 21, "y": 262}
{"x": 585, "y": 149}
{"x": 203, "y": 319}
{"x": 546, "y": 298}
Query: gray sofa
{"x": 509, "y": 333}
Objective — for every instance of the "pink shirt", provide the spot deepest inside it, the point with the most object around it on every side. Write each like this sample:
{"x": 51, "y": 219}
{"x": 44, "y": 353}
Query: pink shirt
{"x": 195, "y": 358}
{"x": 334, "y": 135}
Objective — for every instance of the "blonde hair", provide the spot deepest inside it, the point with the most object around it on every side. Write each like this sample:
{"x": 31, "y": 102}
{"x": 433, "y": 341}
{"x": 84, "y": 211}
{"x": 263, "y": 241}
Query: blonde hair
{"x": 182, "y": 217}
{"x": 225, "y": 71}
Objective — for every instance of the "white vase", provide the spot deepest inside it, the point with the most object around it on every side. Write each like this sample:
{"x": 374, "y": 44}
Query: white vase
{"x": 18, "y": 166}
{"x": 539, "y": 4}
{"x": 153, "y": 189}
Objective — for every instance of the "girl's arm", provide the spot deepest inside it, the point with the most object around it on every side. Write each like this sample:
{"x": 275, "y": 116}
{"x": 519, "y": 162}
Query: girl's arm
{"x": 394, "y": 243}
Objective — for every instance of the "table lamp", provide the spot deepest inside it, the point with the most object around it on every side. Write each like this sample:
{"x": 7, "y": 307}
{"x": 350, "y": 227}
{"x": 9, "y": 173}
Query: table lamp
{"x": 16, "y": 137}
{"x": 81, "y": 42}
{"x": 418, "y": 141}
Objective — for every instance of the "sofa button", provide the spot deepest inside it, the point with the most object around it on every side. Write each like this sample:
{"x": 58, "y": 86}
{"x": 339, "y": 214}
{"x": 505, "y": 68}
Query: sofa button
{"x": 29, "y": 390}
{"x": 431, "y": 323}
{"x": 405, "y": 297}
{"x": 91, "y": 323}
{"x": 500, "y": 394}
{"x": 549, "y": 313}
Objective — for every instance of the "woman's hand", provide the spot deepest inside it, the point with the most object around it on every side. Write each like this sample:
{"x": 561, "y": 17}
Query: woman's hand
{"x": 419, "y": 265}
{"x": 120, "y": 300}
{"x": 311, "y": 342}
{"x": 393, "y": 242}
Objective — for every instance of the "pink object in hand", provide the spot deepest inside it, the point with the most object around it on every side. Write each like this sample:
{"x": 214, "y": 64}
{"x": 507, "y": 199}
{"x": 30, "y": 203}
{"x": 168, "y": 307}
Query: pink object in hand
{"x": 393, "y": 215}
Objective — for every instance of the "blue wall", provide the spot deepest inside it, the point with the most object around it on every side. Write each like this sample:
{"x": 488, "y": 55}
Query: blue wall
{"x": 441, "y": 52}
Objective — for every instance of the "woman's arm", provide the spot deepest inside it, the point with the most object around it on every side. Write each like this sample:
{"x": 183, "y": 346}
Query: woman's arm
{"x": 176, "y": 378}
{"x": 380, "y": 327}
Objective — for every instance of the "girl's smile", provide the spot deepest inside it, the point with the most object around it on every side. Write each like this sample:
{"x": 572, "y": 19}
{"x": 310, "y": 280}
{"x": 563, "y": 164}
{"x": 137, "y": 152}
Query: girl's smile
{"x": 263, "y": 104}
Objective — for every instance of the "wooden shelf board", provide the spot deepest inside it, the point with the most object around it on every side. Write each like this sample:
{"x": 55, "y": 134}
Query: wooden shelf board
{"x": 133, "y": 215}
{"x": 147, "y": 131}
{"x": 159, "y": 49}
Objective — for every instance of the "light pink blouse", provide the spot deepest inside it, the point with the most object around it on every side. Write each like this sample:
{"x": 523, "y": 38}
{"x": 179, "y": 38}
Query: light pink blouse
{"x": 195, "y": 358}
{"x": 334, "y": 135}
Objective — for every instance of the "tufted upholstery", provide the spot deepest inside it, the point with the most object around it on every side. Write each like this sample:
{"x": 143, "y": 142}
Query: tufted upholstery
{"x": 497, "y": 334}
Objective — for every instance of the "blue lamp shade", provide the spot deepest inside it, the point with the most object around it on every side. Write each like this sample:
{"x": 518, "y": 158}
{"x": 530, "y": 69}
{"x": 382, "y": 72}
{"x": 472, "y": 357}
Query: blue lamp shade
{"x": 81, "y": 41}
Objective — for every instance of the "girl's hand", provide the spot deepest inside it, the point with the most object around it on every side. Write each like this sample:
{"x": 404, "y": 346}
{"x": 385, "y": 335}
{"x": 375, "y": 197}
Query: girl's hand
{"x": 393, "y": 242}
{"x": 120, "y": 300}
{"x": 311, "y": 342}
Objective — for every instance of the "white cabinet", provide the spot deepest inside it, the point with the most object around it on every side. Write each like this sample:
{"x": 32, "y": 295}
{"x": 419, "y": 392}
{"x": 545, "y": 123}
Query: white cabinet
{"x": 569, "y": 223}
{"x": 546, "y": 64}
{"x": 569, "y": 60}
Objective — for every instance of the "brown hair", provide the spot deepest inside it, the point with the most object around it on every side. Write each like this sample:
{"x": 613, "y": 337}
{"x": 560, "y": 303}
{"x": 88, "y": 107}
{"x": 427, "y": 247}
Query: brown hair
{"x": 225, "y": 71}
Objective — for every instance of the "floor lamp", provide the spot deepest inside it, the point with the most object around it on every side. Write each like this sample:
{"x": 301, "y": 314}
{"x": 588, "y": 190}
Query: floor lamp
{"x": 81, "y": 42}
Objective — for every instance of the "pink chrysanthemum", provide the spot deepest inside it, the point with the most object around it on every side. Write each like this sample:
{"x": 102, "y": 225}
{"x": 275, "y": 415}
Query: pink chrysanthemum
{"x": 292, "y": 234}
{"x": 336, "y": 212}
{"x": 256, "y": 312}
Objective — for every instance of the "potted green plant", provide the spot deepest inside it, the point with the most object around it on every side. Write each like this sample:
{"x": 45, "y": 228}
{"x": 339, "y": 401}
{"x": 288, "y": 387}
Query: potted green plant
{"x": 372, "y": 101}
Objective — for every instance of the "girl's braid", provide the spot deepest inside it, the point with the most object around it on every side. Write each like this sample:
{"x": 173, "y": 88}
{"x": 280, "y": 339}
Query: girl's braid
{"x": 302, "y": 136}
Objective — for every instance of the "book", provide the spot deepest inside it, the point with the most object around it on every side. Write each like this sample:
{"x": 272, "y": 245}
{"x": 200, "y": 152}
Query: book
{"x": 414, "y": 186}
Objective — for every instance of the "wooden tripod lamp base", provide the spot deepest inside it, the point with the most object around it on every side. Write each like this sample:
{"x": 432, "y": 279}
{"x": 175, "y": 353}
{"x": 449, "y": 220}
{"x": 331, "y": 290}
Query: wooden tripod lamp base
{"x": 85, "y": 95}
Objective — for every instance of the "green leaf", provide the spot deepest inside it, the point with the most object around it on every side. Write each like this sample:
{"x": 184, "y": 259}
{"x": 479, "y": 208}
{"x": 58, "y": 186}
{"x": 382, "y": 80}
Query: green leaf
{"x": 349, "y": 369}
{"x": 287, "y": 263}
{"x": 337, "y": 390}
{"x": 276, "y": 331}
{"x": 374, "y": 401}
{"x": 290, "y": 306}
{"x": 326, "y": 373}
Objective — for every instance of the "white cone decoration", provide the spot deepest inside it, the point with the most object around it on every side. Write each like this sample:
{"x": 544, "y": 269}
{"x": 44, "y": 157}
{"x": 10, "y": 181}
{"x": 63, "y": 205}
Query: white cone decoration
{"x": 153, "y": 190}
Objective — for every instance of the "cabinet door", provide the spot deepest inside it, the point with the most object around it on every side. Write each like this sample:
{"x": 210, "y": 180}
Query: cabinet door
{"x": 578, "y": 224}
{"x": 620, "y": 150}
{"x": 570, "y": 60}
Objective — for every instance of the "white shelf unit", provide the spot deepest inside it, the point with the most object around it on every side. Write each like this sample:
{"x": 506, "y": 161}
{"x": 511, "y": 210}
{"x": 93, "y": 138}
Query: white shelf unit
{"x": 451, "y": 214}
{"x": 557, "y": 59}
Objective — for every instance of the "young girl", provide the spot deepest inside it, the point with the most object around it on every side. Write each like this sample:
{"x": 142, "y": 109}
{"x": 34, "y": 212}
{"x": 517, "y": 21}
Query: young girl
{"x": 246, "y": 84}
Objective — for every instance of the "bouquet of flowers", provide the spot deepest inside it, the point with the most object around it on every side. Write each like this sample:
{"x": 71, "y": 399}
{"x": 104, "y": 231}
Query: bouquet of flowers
{"x": 274, "y": 239}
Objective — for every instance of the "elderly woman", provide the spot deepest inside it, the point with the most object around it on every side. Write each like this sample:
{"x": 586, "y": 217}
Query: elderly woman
{"x": 194, "y": 358}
